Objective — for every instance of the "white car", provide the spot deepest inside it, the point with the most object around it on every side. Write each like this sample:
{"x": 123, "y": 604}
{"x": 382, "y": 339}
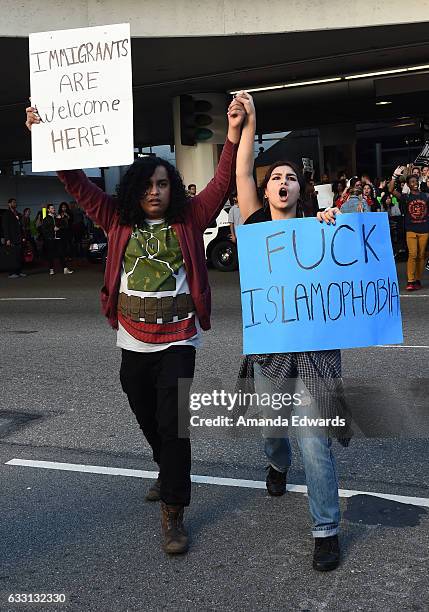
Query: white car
{"x": 220, "y": 250}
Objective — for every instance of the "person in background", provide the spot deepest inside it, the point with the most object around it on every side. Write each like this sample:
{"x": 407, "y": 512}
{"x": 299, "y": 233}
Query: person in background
{"x": 77, "y": 228}
{"x": 310, "y": 203}
{"x": 355, "y": 202}
{"x": 416, "y": 172}
{"x": 369, "y": 197}
{"x": 355, "y": 182}
{"x": 13, "y": 237}
{"x": 389, "y": 203}
{"x": 64, "y": 223}
{"x": 52, "y": 243}
{"x": 338, "y": 187}
{"x": 234, "y": 217}
{"x": 29, "y": 229}
{"x": 324, "y": 179}
{"x": 424, "y": 179}
{"x": 416, "y": 209}
{"x": 192, "y": 190}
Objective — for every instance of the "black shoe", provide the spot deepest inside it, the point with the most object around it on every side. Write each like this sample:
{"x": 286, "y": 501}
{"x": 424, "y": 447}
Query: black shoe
{"x": 276, "y": 482}
{"x": 326, "y": 553}
{"x": 154, "y": 492}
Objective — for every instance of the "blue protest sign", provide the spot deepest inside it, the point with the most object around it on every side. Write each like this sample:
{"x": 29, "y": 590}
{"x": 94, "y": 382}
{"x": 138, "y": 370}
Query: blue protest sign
{"x": 309, "y": 286}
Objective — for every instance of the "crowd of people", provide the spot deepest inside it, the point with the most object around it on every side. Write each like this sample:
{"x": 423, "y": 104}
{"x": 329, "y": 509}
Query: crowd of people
{"x": 403, "y": 196}
{"x": 51, "y": 236}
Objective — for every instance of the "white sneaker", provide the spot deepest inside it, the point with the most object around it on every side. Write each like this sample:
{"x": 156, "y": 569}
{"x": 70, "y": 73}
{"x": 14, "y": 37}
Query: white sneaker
{"x": 22, "y": 275}
{"x": 67, "y": 271}
{"x": 51, "y": 272}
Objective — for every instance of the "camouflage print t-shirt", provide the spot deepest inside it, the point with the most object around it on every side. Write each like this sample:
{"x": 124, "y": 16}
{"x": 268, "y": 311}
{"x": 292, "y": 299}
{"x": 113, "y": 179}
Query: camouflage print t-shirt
{"x": 153, "y": 267}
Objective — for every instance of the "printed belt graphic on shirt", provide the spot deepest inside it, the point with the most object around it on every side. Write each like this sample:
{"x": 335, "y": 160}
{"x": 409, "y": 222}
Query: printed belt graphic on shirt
{"x": 151, "y": 309}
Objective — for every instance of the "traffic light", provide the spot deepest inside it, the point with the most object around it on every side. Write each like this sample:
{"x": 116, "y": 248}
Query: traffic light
{"x": 202, "y": 118}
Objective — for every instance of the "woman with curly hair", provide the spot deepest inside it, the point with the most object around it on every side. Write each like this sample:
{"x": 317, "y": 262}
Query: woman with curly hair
{"x": 156, "y": 295}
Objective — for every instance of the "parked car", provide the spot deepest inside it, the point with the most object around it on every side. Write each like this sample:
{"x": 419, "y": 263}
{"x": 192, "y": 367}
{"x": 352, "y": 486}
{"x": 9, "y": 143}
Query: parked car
{"x": 97, "y": 248}
{"x": 221, "y": 252}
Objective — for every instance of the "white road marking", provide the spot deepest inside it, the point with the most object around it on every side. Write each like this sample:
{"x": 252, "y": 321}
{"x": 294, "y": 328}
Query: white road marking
{"x": 29, "y": 299}
{"x": 212, "y": 480}
{"x": 414, "y": 296}
{"x": 400, "y": 346}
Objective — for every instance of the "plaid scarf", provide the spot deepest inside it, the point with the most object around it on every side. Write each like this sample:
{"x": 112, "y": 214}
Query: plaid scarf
{"x": 319, "y": 370}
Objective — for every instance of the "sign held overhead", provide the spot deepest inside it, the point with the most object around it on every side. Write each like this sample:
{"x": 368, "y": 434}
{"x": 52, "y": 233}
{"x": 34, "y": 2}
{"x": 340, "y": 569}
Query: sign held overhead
{"x": 81, "y": 85}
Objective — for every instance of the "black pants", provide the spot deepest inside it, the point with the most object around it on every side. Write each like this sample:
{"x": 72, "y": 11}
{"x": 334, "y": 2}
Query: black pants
{"x": 15, "y": 266}
{"x": 53, "y": 249}
{"x": 151, "y": 382}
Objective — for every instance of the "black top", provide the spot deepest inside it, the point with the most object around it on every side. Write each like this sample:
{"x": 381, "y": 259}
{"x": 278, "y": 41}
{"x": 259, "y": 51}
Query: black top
{"x": 259, "y": 216}
{"x": 47, "y": 228}
{"x": 417, "y": 212}
{"x": 12, "y": 227}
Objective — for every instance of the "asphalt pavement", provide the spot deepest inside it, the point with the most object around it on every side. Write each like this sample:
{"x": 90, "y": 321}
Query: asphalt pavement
{"x": 91, "y": 537}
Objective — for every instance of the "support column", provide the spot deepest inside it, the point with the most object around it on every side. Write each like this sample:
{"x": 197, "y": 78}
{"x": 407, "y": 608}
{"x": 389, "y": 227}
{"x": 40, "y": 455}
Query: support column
{"x": 196, "y": 164}
{"x": 378, "y": 159}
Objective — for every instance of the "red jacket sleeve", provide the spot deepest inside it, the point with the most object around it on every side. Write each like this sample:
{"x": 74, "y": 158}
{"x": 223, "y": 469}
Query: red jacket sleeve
{"x": 209, "y": 202}
{"x": 99, "y": 206}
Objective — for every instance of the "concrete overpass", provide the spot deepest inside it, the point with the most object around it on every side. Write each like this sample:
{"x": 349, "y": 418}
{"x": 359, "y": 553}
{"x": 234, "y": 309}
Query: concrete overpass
{"x": 186, "y": 46}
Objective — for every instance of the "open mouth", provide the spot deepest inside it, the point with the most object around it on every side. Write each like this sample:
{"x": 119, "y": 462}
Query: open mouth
{"x": 283, "y": 194}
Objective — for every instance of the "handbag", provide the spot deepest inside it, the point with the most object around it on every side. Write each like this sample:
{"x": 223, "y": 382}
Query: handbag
{"x": 28, "y": 253}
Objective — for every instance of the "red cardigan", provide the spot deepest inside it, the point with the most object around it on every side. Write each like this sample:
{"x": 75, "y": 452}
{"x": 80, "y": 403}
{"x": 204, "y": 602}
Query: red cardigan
{"x": 203, "y": 208}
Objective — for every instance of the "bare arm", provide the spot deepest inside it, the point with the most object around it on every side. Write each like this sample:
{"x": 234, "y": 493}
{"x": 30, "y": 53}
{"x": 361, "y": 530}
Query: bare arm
{"x": 246, "y": 188}
{"x": 207, "y": 204}
{"x": 399, "y": 170}
{"x": 233, "y": 236}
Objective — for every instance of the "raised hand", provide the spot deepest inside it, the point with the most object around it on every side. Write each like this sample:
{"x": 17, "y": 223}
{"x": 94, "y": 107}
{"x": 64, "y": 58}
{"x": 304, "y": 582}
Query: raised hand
{"x": 328, "y": 215}
{"x": 247, "y": 101}
{"x": 236, "y": 114}
{"x": 32, "y": 116}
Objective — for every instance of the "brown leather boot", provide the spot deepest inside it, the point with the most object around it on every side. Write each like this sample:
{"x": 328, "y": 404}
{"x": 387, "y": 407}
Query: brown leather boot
{"x": 175, "y": 537}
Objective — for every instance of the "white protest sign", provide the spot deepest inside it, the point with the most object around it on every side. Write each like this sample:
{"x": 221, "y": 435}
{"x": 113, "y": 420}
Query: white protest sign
{"x": 81, "y": 84}
{"x": 325, "y": 195}
{"x": 307, "y": 164}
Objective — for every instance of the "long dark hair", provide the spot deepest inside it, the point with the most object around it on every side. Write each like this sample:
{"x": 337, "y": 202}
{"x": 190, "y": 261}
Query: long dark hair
{"x": 371, "y": 193}
{"x": 301, "y": 181}
{"x": 61, "y": 206}
{"x": 136, "y": 181}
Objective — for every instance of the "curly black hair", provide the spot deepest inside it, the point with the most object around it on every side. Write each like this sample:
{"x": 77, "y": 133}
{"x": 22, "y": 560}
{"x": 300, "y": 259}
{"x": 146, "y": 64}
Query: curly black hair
{"x": 136, "y": 181}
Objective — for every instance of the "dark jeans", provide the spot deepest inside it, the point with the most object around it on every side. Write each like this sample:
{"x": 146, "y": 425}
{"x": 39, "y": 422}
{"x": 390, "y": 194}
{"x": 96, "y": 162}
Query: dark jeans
{"x": 150, "y": 381}
{"x": 53, "y": 249}
{"x": 15, "y": 266}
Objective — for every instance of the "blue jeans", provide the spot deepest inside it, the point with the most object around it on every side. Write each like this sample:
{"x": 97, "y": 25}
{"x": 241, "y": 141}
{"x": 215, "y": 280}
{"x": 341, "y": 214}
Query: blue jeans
{"x": 315, "y": 448}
